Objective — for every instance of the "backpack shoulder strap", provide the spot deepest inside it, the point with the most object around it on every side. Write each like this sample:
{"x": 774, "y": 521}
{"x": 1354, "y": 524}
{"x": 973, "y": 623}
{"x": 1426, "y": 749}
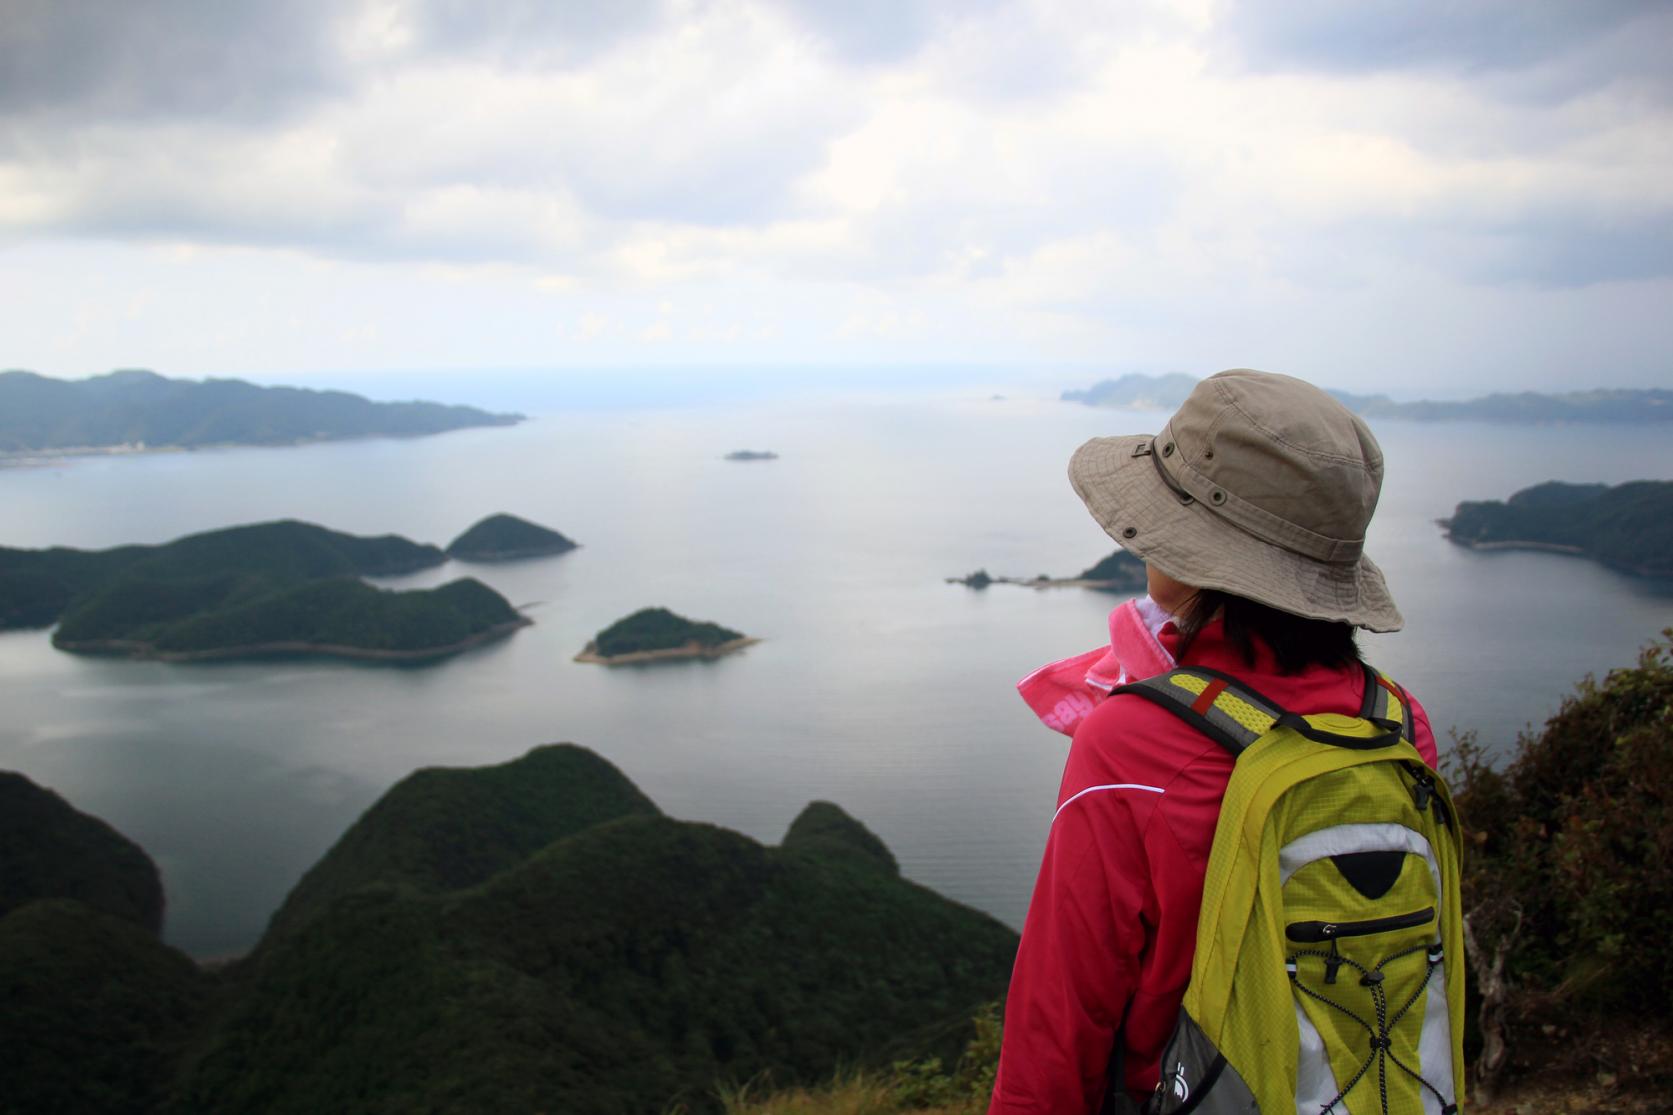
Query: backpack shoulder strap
{"x": 1234, "y": 714}
{"x": 1385, "y": 700}
{"x": 1218, "y": 705}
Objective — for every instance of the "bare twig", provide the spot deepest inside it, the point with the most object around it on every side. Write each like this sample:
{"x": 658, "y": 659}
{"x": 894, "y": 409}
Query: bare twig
{"x": 1495, "y": 996}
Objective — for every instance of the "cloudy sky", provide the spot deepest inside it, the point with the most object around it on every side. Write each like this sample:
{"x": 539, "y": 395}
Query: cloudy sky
{"x": 1418, "y": 196}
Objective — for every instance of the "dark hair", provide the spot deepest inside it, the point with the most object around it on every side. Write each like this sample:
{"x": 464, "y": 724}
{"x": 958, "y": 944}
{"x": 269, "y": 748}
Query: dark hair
{"x": 1296, "y": 641}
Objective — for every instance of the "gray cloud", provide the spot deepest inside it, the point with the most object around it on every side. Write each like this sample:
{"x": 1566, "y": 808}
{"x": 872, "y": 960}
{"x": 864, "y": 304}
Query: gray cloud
{"x": 1475, "y": 36}
{"x": 880, "y": 31}
{"x": 534, "y": 32}
{"x": 1563, "y": 251}
{"x": 233, "y": 59}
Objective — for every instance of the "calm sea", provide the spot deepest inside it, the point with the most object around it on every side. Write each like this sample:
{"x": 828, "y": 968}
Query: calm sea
{"x": 876, "y": 686}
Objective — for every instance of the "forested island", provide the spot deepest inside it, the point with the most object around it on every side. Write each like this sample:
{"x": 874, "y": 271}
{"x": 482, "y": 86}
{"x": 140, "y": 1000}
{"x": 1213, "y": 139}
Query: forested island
{"x": 507, "y": 538}
{"x": 1166, "y": 392}
{"x": 656, "y": 635}
{"x": 1627, "y": 527}
{"x": 533, "y": 936}
{"x": 133, "y": 410}
{"x": 270, "y": 588}
{"x": 752, "y": 455}
{"x": 1119, "y": 572}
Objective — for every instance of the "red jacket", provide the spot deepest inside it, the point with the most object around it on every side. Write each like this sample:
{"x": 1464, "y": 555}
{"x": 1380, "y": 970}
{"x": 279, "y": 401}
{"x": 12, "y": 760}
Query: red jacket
{"x": 1112, "y": 926}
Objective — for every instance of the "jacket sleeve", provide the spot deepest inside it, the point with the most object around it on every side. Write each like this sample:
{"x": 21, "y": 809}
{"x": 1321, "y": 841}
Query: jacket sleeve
{"x": 1078, "y": 962}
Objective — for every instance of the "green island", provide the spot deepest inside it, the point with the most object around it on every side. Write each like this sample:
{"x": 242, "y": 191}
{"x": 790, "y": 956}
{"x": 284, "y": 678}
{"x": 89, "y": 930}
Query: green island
{"x": 533, "y": 936}
{"x": 266, "y": 589}
{"x": 656, "y": 635}
{"x": 1120, "y": 572}
{"x": 132, "y": 410}
{"x": 1627, "y": 527}
{"x": 1137, "y": 391}
{"x": 539, "y": 936}
{"x": 507, "y": 538}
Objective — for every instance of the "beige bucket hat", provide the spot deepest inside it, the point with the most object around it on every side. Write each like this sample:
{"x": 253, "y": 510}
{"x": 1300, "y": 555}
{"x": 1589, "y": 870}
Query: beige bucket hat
{"x": 1261, "y": 485}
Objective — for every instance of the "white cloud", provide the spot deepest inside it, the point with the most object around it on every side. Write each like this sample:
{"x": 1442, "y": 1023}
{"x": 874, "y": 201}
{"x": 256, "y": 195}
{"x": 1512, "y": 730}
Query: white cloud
{"x": 1033, "y": 179}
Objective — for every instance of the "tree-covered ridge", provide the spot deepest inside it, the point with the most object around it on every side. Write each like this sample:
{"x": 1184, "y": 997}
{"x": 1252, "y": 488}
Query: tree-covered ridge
{"x": 1628, "y": 526}
{"x": 630, "y": 963}
{"x": 36, "y": 586}
{"x": 654, "y": 629}
{"x": 213, "y": 617}
{"x": 442, "y": 829}
{"x": 506, "y": 538}
{"x": 532, "y": 936}
{"x": 98, "y": 1013}
{"x": 131, "y": 408}
{"x": 278, "y": 587}
{"x": 48, "y": 849}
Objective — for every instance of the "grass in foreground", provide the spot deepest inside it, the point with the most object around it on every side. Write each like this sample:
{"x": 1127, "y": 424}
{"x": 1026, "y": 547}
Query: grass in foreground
{"x": 922, "y": 1087}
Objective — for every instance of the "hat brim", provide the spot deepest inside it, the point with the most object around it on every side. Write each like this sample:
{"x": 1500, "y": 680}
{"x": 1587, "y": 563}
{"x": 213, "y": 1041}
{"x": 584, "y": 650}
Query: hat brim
{"x": 1194, "y": 545}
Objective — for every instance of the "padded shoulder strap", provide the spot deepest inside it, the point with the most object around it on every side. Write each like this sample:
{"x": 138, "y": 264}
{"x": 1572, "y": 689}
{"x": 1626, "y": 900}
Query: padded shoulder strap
{"x": 1216, "y": 704}
{"x": 1234, "y": 715}
{"x": 1386, "y": 701}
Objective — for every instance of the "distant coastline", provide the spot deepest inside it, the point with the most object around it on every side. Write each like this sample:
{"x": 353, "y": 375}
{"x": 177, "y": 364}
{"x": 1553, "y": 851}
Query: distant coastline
{"x": 972, "y": 581}
{"x": 45, "y": 458}
{"x": 142, "y": 651}
{"x": 691, "y": 650}
{"x": 135, "y": 411}
{"x": 1601, "y": 405}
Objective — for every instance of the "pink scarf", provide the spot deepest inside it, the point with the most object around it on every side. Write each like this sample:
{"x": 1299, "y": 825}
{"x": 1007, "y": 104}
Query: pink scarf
{"x": 1062, "y": 693}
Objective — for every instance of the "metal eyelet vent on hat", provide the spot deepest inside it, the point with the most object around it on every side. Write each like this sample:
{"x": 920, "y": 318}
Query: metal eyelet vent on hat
{"x": 1167, "y": 450}
{"x": 1217, "y": 497}
{"x": 1129, "y": 532}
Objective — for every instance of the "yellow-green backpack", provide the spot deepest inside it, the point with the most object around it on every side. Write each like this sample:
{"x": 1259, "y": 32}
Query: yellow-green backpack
{"x": 1329, "y": 968}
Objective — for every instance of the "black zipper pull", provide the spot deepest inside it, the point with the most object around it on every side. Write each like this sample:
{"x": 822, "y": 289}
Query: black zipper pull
{"x": 1333, "y": 962}
{"x": 1423, "y": 789}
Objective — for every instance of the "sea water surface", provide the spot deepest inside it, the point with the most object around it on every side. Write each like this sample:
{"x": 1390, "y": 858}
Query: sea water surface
{"x": 877, "y": 685}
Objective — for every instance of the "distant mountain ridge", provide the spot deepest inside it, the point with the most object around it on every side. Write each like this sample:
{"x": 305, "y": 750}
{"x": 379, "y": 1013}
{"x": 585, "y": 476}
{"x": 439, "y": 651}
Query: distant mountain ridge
{"x": 1166, "y": 392}
{"x": 134, "y": 408}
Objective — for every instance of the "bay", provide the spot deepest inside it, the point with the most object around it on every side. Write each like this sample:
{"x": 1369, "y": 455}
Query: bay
{"x": 876, "y": 685}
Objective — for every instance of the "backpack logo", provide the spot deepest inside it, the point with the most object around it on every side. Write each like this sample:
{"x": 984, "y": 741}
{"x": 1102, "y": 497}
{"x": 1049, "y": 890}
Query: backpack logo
{"x": 1177, "y": 1085}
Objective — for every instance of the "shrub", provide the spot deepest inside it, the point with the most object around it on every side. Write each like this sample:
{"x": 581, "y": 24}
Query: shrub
{"x": 1569, "y": 865}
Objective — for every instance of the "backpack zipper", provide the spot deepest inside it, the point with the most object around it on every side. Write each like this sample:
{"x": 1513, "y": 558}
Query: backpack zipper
{"x": 1331, "y": 930}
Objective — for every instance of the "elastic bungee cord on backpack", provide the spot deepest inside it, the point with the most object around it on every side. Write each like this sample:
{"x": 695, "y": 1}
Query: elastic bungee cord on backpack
{"x": 1382, "y": 1050}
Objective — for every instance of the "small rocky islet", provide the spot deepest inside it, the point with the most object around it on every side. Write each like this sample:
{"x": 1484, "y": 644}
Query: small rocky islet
{"x": 659, "y": 635}
{"x": 505, "y": 537}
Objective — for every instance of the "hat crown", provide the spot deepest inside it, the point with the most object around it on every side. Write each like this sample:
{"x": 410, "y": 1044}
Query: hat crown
{"x": 1279, "y": 458}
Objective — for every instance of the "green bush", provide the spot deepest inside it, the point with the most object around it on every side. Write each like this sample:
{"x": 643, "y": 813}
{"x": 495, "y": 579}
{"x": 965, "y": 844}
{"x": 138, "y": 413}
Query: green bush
{"x": 1571, "y": 846}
